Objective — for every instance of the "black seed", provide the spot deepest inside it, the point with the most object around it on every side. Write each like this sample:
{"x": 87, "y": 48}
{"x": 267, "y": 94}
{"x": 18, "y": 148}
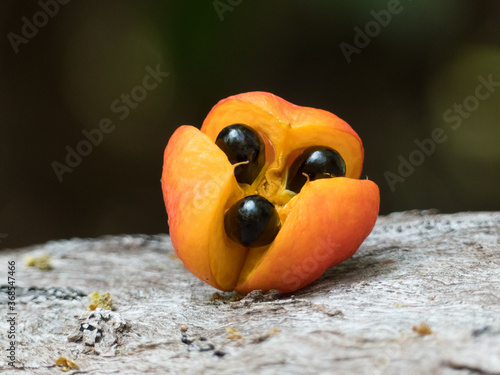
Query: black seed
{"x": 252, "y": 221}
{"x": 316, "y": 162}
{"x": 241, "y": 143}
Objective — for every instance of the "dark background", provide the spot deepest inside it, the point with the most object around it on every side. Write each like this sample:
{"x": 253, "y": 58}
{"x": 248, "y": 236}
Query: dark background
{"x": 396, "y": 90}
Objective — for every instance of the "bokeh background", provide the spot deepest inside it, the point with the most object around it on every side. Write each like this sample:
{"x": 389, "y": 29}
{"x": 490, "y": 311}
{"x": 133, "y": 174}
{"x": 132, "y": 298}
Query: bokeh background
{"x": 396, "y": 90}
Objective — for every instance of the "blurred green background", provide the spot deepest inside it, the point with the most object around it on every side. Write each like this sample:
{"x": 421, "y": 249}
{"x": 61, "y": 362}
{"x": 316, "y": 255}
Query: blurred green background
{"x": 85, "y": 55}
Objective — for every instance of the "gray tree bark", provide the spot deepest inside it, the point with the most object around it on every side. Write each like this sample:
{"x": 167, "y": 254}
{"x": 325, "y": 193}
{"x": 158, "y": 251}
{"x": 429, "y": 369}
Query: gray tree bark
{"x": 421, "y": 296}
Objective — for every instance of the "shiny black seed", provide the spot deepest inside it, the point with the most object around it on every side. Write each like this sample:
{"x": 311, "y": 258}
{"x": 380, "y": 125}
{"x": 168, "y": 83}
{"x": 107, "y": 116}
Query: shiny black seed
{"x": 252, "y": 221}
{"x": 240, "y": 143}
{"x": 316, "y": 162}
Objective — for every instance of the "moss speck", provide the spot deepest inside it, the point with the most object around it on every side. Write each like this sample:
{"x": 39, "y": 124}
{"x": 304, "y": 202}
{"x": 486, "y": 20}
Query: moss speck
{"x": 41, "y": 262}
{"x": 422, "y": 330}
{"x": 104, "y": 301}
{"x": 66, "y": 364}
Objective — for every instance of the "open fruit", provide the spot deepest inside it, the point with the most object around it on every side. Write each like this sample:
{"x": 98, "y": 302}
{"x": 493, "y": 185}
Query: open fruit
{"x": 267, "y": 195}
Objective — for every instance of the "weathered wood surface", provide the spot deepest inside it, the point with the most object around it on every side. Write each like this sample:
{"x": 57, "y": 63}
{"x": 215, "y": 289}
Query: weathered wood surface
{"x": 416, "y": 267}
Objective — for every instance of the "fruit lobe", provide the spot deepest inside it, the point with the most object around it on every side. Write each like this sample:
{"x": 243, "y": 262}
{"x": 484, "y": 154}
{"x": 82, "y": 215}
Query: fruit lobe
{"x": 325, "y": 227}
{"x": 321, "y": 226}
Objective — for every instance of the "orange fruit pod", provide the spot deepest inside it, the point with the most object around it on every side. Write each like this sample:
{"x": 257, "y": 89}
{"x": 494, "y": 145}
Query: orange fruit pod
{"x": 267, "y": 194}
